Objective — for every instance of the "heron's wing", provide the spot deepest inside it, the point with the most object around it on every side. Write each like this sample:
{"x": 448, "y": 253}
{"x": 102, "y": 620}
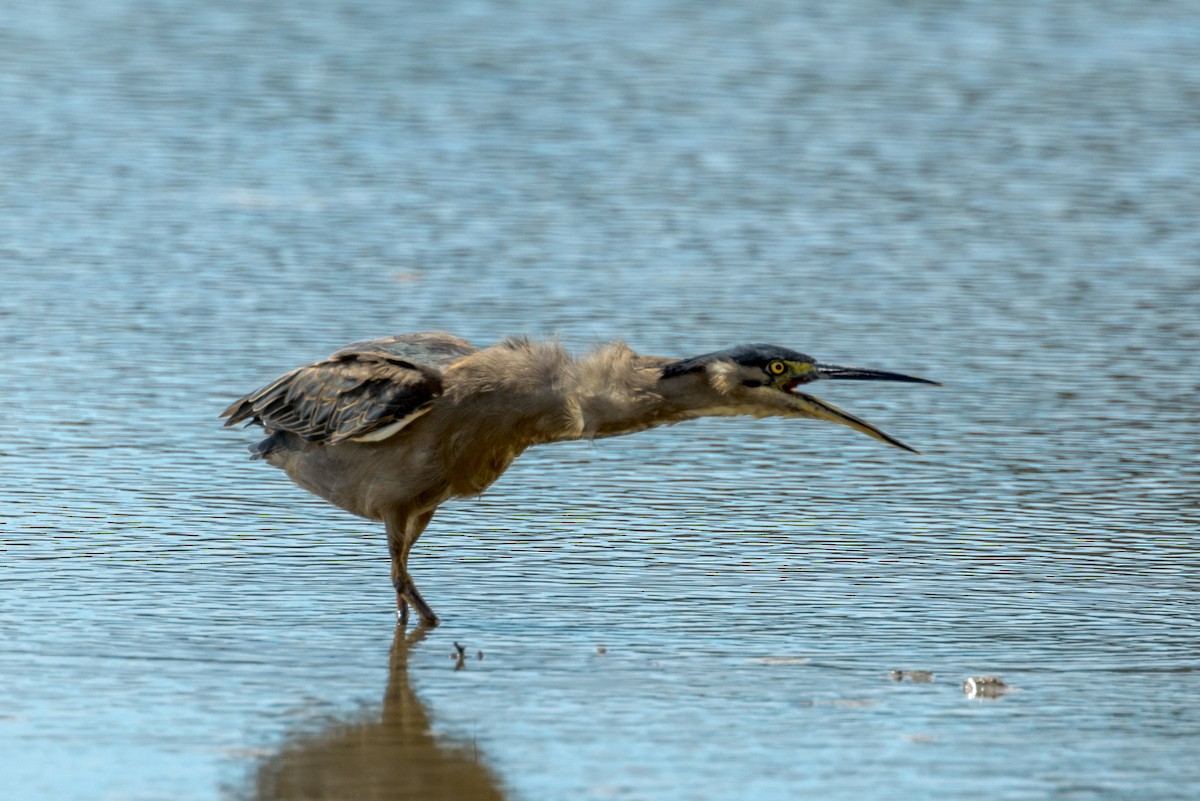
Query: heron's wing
{"x": 434, "y": 349}
{"x": 351, "y": 396}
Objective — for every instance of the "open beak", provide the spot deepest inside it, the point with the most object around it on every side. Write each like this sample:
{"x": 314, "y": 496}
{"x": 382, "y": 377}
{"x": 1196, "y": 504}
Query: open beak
{"x": 815, "y": 407}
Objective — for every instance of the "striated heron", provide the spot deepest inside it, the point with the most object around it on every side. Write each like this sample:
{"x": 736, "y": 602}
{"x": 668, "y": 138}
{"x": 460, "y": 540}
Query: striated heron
{"x": 391, "y": 428}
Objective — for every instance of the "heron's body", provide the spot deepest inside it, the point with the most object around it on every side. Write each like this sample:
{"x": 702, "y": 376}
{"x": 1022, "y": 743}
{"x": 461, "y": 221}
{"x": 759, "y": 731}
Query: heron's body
{"x": 390, "y": 428}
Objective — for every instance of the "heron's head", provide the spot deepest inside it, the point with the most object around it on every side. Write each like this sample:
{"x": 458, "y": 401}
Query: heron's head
{"x": 765, "y": 380}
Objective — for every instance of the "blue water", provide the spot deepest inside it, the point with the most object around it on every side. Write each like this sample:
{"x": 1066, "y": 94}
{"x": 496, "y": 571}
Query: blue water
{"x": 196, "y": 197}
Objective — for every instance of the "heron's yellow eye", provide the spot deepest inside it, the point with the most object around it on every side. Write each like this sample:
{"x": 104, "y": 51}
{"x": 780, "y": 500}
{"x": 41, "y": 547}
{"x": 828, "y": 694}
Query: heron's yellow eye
{"x": 776, "y": 368}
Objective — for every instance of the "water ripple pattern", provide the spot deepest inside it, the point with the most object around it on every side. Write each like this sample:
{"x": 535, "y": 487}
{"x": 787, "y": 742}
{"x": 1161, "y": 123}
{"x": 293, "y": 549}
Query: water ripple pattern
{"x": 195, "y": 197}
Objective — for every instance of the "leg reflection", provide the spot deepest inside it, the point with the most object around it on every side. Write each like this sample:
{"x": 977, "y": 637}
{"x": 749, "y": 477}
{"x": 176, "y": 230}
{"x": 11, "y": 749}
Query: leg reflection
{"x": 394, "y": 756}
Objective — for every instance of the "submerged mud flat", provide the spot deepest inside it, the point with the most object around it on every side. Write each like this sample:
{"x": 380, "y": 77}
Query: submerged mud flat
{"x": 998, "y": 197}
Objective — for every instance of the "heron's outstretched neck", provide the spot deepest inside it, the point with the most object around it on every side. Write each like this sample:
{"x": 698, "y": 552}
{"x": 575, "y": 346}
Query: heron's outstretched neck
{"x": 619, "y": 392}
{"x": 534, "y": 393}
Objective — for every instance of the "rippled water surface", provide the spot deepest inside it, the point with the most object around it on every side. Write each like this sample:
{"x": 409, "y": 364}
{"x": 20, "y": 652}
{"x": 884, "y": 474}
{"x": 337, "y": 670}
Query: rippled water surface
{"x": 195, "y": 197}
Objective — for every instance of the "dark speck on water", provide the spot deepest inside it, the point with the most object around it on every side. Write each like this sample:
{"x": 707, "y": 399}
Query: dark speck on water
{"x": 985, "y": 687}
{"x": 998, "y": 196}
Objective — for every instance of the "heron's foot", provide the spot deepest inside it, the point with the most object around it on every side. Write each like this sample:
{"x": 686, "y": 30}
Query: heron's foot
{"x": 406, "y": 596}
{"x": 428, "y": 618}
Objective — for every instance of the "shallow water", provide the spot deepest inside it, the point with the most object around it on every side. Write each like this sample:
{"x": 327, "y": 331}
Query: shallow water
{"x": 197, "y": 197}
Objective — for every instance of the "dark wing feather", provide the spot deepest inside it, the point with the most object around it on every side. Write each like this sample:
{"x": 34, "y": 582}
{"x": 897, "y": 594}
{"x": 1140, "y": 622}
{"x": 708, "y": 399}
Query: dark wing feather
{"x": 360, "y": 389}
{"x": 435, "y": 349}
{"x": 344, "y": 397}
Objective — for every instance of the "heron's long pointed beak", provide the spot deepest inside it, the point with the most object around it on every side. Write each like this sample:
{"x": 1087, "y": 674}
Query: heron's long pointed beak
{"x": 815, "y": 407}
{"x": 836, "y": 371}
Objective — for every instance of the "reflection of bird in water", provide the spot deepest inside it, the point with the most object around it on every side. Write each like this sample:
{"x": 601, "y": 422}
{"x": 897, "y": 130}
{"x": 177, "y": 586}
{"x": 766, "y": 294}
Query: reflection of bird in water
{"x": 395, "y": 756}
{"x": 390, "y": 428}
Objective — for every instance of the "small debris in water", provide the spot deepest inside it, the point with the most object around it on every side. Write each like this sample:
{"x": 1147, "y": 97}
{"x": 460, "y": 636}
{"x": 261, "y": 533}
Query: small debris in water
{"x": 459, "y": 657}
{"x": 781, "y": 660}
{"x": 915, "y": 676}
{"x": 479, "y": 655}
{"x": 600, "y": 649}
{"x": 984, "y": 687}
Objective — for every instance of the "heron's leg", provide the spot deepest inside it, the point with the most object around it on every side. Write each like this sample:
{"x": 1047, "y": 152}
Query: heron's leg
{"x": 402, "y": 533}
{"x": 395, "y": 535}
